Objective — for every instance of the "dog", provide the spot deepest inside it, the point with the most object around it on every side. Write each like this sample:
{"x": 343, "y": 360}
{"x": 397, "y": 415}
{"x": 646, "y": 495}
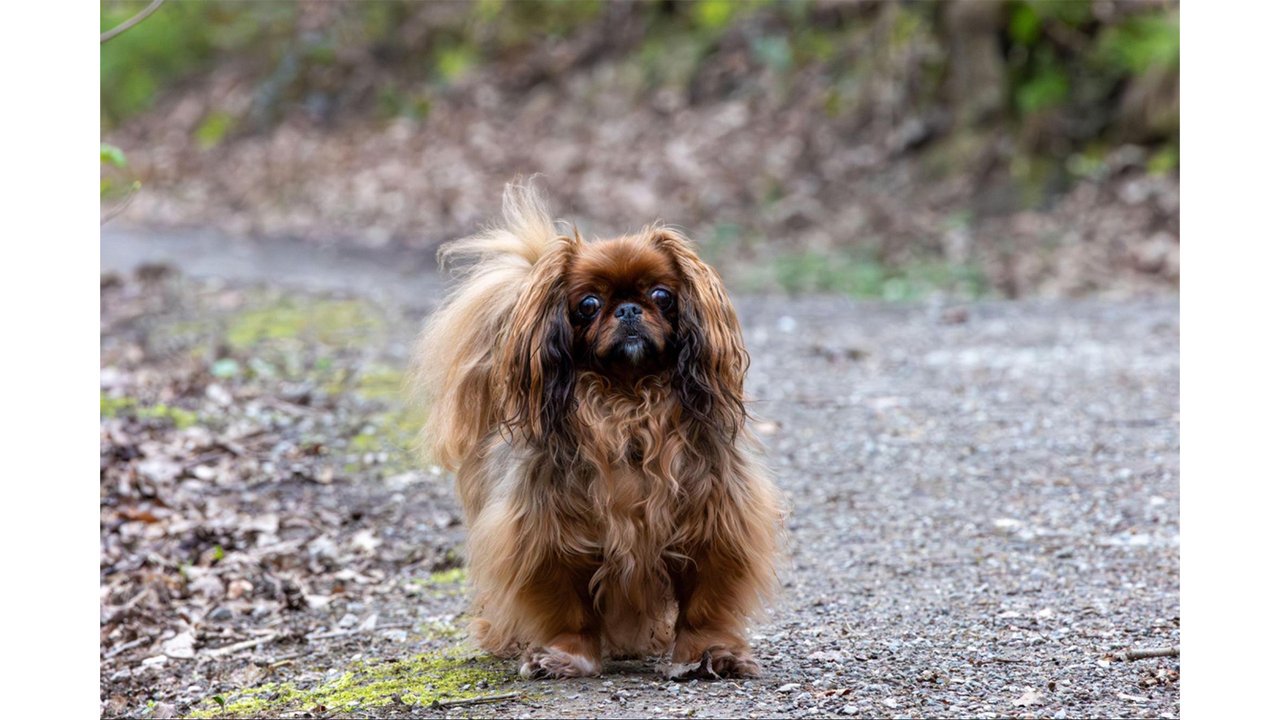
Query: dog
{"x": 589, "y": 398}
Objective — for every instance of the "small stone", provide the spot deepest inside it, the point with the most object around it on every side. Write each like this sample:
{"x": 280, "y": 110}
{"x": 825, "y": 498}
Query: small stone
{"x": 209, "y": 586}
{"x": 789, "y": 688}
{"x": 239, "y": 588}
{"x": 182, "y": 646}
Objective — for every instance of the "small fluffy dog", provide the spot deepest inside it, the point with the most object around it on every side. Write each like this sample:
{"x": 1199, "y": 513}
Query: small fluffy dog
{"x": 589, "y": 397}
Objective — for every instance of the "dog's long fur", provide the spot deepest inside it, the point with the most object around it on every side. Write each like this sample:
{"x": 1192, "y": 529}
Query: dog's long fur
{"x": 605, "y": 518}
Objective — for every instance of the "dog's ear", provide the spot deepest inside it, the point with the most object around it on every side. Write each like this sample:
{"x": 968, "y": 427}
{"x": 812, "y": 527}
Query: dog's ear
{"x": 535, "y": 372}
{"x": 712, "y": 361}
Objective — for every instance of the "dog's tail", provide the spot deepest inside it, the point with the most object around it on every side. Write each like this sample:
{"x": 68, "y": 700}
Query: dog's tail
{"x": 456, "y": 351}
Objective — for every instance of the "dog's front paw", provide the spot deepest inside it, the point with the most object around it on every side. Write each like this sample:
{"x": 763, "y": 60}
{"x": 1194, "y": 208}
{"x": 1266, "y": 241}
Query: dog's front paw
{"x": 552, "y": 662}
{"x": 716, "y": 662}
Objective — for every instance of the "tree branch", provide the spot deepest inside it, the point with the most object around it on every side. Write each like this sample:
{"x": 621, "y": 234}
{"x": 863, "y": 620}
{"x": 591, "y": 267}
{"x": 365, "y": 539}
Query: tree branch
{"x": 155, "y": 5}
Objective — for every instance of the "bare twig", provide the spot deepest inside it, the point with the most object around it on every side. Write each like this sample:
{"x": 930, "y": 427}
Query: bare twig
{"x": 113, "y": 32}
{"x": 998, "y": 659}
{"x": 125, "y": 646}
{"x": 119, "y": 613}
{"x": 237, "y": 647}
{"x": 1140, "y": 654}
{"x": 124, "y": 204}
{"x": 483, "y": 699}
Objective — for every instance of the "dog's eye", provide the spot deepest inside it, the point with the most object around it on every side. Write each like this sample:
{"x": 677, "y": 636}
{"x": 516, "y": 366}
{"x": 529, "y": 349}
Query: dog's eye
{"x": 589, "y": 306}
{"x": 662, "y": 297}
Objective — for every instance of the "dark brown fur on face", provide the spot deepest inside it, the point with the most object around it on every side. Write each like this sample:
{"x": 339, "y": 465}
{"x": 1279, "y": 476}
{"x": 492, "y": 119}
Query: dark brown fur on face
{"x": 589, "y": 397}
{"x": 630, "y": 333}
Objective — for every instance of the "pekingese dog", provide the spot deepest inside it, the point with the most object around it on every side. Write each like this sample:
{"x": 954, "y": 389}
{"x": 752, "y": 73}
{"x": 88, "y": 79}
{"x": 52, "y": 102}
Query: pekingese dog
{"x": 589, "y": 396}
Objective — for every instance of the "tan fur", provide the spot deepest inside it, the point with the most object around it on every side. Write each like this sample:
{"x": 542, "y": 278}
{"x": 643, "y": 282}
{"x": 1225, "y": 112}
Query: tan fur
{"x": 608, "y": 515}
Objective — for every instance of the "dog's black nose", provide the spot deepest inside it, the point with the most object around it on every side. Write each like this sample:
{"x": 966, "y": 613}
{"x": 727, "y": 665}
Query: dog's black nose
{"x": 628, "y": 311}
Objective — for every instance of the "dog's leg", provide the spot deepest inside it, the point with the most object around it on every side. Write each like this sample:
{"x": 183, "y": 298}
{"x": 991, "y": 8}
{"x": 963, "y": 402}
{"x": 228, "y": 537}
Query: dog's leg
{"x": 560, "y": 606}
{"x": 714, "y": 596}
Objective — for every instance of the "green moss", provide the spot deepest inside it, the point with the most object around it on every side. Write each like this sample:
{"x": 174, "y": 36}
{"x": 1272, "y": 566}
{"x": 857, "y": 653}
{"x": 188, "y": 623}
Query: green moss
{"x": 419, "y": 680}
{"x": 393, "y": 431}
{"x": 444, "y": 583}
{"x": 453, "y": 576}
{"x": 109, "y": 407}
{"x": 380, "y": 382}
{"x": 328, "y": 322}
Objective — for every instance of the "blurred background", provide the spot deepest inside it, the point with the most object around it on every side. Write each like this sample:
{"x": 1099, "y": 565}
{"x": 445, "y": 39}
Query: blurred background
{"x": 890, "y": 150}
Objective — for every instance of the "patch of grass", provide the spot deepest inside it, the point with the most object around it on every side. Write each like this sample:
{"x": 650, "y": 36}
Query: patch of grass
{"x": 849, "y": 274}
{"x": 419, "y": 680}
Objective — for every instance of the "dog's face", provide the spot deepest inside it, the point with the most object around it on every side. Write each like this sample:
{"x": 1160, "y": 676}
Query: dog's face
{"x": 623, "y": 305}
{"x": 626, "y": 308}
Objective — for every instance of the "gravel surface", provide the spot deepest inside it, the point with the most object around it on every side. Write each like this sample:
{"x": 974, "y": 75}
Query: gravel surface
{"x": 984, "y": 507}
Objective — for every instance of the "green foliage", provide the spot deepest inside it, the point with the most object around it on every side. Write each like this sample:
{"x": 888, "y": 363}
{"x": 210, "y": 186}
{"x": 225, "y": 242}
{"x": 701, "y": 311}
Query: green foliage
{"x": 1066, "y": 63}
{"x": 1141, "y": 43}
{"x": 112, "y": 155}
{"x": 213, "y": 129}
{"x": 113, "y": 177}
{"x": 455, "y": 60}
{"x": 1024, "y": 24}
{"x": 714, "y": 14}
{"x": 1071, "y": 13}
{"x": 1048, "y": 86}
{"x": 137, "y": 63}
{"x": 1164, "y": 160}
{"x": 175, "y": 41}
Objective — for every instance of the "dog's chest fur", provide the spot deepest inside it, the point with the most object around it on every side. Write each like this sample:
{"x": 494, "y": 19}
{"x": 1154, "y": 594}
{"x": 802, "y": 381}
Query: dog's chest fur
{"x": 628, "y": 471}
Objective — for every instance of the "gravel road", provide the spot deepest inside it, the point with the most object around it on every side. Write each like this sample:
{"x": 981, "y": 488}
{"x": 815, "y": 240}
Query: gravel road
{"x": 984, "y": 505}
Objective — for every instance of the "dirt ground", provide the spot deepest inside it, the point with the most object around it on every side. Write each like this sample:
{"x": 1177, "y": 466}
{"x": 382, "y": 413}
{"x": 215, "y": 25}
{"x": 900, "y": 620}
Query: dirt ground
{"x": 985, "y": 505}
